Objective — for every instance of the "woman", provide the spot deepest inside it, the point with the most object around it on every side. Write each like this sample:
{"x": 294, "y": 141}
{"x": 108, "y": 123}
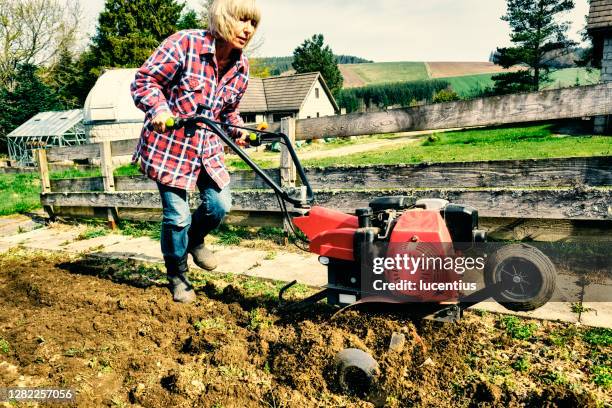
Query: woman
{"x": 191, "y": 69}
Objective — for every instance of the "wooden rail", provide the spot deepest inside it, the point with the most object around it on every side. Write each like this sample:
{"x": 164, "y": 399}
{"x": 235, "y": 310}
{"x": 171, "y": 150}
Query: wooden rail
{"x": 539, "y": 199}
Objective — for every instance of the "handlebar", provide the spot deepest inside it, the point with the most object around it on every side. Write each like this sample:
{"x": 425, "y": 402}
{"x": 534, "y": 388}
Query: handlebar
{"x": 300, "y": 198}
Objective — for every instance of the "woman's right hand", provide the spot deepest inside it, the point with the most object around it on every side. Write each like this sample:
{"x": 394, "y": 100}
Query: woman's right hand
{"x": 159, "y": 121}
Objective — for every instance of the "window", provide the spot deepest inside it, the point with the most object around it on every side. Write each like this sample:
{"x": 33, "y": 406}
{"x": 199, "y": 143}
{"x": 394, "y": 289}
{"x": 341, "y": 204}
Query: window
{"x": 248, "y": 117}
{"x": 317, "y": 93}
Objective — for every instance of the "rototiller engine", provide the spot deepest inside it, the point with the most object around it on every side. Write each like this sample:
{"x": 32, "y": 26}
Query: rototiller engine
{"x": 382, "y": 252}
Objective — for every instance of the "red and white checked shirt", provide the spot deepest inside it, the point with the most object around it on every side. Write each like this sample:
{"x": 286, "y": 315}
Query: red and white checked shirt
{"x": 181, "y": 74}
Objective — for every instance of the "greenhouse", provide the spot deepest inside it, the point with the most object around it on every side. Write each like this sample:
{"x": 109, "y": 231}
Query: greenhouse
{"x": 46, "y": 129}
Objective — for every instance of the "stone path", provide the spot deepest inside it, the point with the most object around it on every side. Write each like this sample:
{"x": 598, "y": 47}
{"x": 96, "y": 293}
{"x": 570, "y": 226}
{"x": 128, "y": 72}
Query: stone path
{"x": 284, "y": 266}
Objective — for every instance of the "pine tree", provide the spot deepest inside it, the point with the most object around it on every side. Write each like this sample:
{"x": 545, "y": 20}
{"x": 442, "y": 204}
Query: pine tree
{"x": 535, "y": 33}
{"x": 28, "y": 96}
{"x": 313, "y": 56}
{"x": 128, "y": 31}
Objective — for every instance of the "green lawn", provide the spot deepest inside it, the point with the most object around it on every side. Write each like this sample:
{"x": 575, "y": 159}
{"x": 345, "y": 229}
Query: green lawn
{"x": 569, "y": 76}
{"x": 466, "y": 85}
{"x": 503, "y": 143}
{"x": 19, "y": 193}
{"x": 385, "y": 72}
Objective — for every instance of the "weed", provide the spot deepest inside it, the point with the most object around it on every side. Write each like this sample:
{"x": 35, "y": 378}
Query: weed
{"x": 516, "y": 329}
{"x": 522, "y": 364}
{"x": 74, "y": 352}
{"x": 598, "y": 336}
{"x": 208, "y": 324}
{"x": 92, "y": 232}
{"x": 554, "y": 377}
{"x": 602, "y": 375}
{"x": 563, "y": 336}
{"x": 271, "y": 255}
{"x": 4, "y": 346}
{"x": 258, "y": 320}
{"x": 117, "y": 402}
{"x": 481, "y": 313}
{"x": 579, "y": 308}
{"x": 140, "y": 229}
{"x": 231, "y": 371}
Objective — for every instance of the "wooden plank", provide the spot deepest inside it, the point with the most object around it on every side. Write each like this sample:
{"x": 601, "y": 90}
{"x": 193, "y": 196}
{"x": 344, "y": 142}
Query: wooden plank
{"x": 81, "y": 152}
{"x": 566, "y": 172}
{"x": 78, "y": 184}
{"x": 590, "y": 171}
{"x": 578, "y": 203}
{"x": 564, "y": 103}
{"x": 91, "y": 151}
{"x": 521, "y": 229}
{"x": 251, "y": 219}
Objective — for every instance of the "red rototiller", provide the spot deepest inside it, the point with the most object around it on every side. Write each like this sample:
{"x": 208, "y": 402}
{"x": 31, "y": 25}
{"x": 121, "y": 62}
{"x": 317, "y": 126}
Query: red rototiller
{"x": 518, "y": 276}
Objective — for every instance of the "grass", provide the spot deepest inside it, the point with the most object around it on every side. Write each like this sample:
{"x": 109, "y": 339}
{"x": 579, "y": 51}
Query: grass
{"x": 93, "y": 232}
{"x": 19, "y": 193}
{"x": 516, "y": 328}
{"x": 384, "y": 72}
{"x": 4, "y": 346}
{"x": 599, "y": 336}
{"x": 500, "y": 143}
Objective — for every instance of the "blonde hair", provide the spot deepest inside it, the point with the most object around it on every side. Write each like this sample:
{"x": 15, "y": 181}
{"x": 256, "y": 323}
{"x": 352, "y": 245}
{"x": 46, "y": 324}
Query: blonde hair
{"x": 224, "y": 14}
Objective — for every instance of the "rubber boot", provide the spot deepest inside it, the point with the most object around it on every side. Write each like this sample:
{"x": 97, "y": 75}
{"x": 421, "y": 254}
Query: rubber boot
{"x": 178, "y": 283}
{"x": 204, "y": 257}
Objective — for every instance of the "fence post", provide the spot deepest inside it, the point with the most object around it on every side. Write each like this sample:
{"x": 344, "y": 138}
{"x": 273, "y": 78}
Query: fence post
{"x": 45, "y": 180}
{"x": 106, "y": 165}
{"x": 287, "y": 168}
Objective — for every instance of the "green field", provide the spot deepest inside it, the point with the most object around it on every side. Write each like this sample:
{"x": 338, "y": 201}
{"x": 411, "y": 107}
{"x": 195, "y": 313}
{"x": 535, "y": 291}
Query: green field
{"x": 572, "y": 76}
{"x": 388, "y": 72}
{"x": 468, "y": 85}
{"x": 384, "y": 72}
{"x": 503, "y": 143}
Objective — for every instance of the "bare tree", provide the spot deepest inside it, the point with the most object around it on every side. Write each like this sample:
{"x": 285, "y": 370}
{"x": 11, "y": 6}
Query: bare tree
{"x": 34, "y": 31}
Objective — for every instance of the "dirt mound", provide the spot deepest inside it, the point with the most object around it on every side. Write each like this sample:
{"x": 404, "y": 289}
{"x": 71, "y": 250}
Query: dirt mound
{"x": 110, "y": 331}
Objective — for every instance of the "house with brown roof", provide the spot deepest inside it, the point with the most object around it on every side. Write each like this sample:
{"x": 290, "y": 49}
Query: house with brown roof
{"x": 300, "y": 96}
{"x": 599, "y": 27}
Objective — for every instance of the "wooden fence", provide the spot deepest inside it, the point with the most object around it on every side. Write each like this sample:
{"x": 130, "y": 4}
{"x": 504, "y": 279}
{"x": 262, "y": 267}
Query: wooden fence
{"x": 545, "y": 199}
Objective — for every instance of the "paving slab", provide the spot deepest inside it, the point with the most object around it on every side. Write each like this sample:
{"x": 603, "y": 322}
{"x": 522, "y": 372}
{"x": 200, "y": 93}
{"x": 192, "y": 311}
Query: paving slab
{"x": 305, "y": 269}
{"x": 97, "y": 243}
{"x": 238, "y": 260}
{"x": 141, "y": 249}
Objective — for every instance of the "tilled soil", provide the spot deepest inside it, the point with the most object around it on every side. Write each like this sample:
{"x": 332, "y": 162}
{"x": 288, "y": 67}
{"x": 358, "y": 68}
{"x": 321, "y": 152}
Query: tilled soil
{"x": 110, "y": 331}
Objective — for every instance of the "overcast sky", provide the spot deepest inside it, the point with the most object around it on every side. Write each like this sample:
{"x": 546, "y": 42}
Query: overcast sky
{"x": 383, "y": 30}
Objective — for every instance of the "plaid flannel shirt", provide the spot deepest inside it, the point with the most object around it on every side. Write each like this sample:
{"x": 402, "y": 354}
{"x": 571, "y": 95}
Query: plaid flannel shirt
{"x": 180, "y": 75}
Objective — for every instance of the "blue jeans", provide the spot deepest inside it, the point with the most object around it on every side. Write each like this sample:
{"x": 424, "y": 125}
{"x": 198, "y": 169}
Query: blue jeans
{"x": 181, "y": 230}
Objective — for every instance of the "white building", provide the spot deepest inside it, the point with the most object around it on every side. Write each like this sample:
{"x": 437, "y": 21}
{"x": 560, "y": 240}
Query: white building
{"x": 301, "y": 96}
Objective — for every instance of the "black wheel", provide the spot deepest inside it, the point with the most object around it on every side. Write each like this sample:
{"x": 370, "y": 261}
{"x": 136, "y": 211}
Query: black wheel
{"x": 527, "y": 276}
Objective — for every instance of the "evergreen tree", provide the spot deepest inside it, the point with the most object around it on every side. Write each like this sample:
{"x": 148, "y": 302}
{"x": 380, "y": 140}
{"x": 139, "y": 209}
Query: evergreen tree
{"x": 313, "y": 56}
{"x": 535, "y": 33}
{"x": 190, "y": 20}
{"x": 27, "y": 97}
{"x": 65, "y": 78}
{"x": 128, "y": 31}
